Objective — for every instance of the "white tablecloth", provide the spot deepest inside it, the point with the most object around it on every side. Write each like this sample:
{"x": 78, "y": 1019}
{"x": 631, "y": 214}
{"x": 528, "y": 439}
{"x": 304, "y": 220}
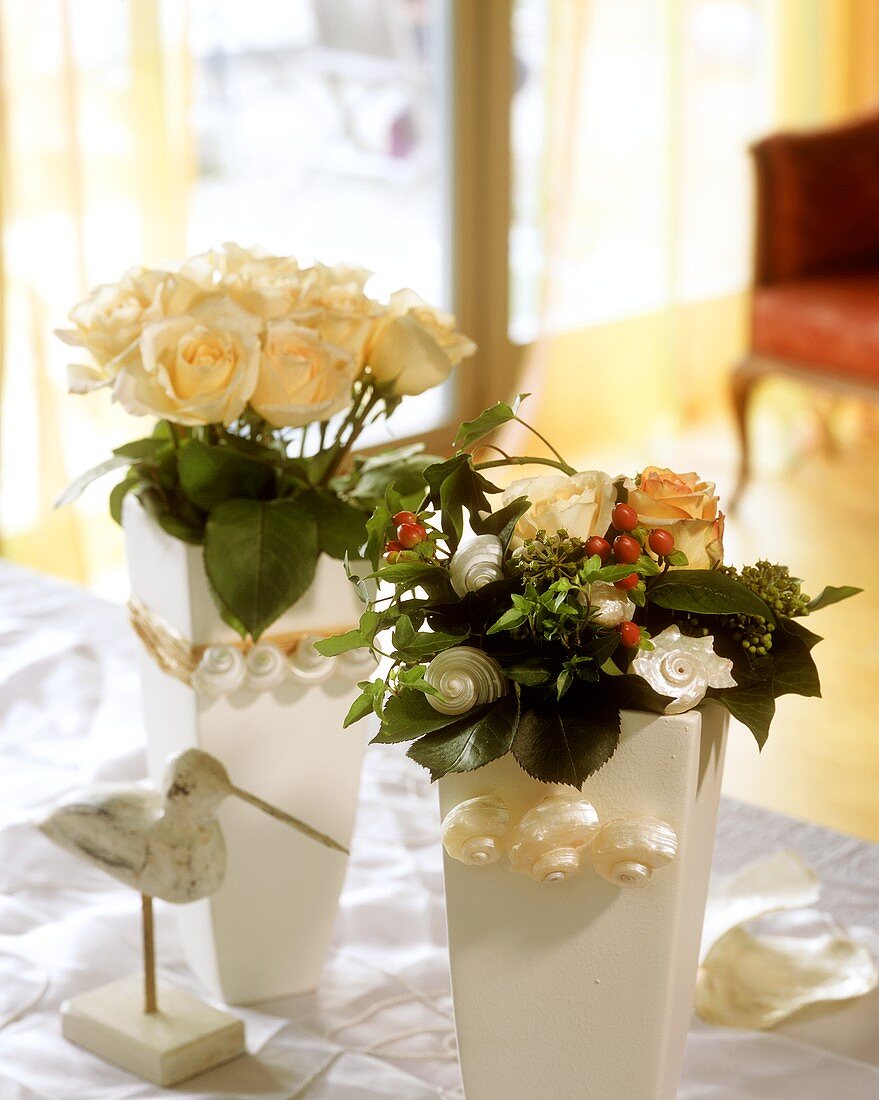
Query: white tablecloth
{"x": 381, "y": 1023}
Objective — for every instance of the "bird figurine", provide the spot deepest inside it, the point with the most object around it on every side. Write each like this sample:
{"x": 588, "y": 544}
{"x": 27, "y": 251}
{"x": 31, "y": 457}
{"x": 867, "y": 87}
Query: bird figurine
{"x": 166, "y": 844}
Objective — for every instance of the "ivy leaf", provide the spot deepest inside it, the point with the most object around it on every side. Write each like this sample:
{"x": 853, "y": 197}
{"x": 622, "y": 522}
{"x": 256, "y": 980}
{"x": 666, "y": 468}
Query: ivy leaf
{"x": 119, "y": 493}
{"x": 502, "y": 522}
{"x": 260, "y": 557}
{"x": 481, "y": 736}
{"x": 532, "y": 672}
{"x": 211, "y": 475}
{"x": 832, "y": 595}
{"x": 484, "y": 424}
{"x": 341, "y": 528}
{"x": 426, "y": 644}
{"x": 565, "y": 741}
{"x": 793, "y": 670}
{"x": 78, "y": 486}
{"x": 409, "y": 715}
{"x": 706, "y": 592}
{"x": 371, "y": 691}
{"x": 754, "y": 706}
{"x": 376, "y": 533}
{"x": 454, "y": 485}
{"x": 510, "y": 620}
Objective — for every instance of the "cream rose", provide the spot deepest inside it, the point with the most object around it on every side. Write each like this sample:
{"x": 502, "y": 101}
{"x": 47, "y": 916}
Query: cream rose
{"x": 200, "y": 368}
{"x": 341, "y": 315}
{"x": 109, "y": 322}
{"x": 302, "y": 379}
{"x": 580, "y": 504}
{"x": 414, "y": 347}
{"x": 687, "y": 507}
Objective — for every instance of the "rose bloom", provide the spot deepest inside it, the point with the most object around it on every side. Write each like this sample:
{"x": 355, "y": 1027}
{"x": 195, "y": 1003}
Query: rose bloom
{"x": 200, "y": 368}
{"x": 341, "y": 314}
{"x": 414, "y": 347}
{"x": 302, "y": 379}
{"x": 686, "y": 507}
{"x": 112, "y": 318}
{"x": 580, "y": 504}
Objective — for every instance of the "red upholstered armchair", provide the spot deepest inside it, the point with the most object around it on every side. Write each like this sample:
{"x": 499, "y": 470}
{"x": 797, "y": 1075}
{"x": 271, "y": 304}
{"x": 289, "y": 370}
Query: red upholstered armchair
{"x": 815, "y": 308}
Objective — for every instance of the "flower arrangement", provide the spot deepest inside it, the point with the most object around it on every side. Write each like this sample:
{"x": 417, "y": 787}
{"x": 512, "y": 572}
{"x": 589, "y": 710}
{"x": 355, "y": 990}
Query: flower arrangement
{"x": 525, "y": 625}
{"x": 262, "y": 375}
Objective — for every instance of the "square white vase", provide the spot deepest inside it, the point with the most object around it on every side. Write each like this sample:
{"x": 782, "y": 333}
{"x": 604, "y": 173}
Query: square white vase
{"x": 580, "y": 989}
{"x": 266, "y": 932}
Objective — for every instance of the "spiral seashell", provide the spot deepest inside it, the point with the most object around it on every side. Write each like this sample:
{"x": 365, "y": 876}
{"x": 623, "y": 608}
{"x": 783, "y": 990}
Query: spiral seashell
{"x": 220, "y": 671}
{"x": 474, "y": 831}
{"x": 477, "y": 563}
{"x": 265, "y": 667}
{"x": 466, "y": 678}
{"x": 683, "y": 668}
{"x": 306, "y": 664}
{"x": 549, "y": 841}
{"x": 627, "y": 851}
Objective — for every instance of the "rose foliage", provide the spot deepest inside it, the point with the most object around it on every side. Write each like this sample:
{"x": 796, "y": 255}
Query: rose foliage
{"x": 580, "y": 618}
{"x": 262, "y": 375}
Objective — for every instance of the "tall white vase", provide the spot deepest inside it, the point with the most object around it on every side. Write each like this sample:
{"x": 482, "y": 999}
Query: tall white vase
{"x": 266, "y": 932}
{"x": 582, "y": 990}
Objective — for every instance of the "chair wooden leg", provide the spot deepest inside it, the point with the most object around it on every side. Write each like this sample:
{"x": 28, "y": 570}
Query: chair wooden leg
{"x": 745, "y": 376}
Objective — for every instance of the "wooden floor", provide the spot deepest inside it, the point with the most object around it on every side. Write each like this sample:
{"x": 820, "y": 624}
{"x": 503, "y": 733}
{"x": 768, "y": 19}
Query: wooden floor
{"x": 821, "y": 518}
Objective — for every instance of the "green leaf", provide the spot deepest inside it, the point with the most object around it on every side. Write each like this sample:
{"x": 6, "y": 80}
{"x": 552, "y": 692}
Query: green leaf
{"x": 179, "y": 529}
{"x": 142, "y": 448}
{"x": 359, "y": 709}
{"x": 341, "y": 643}
{"x": 793, "y": 670}
{"x": 408, "y": 572}
{"x": 484, "y": 424}
{"x": 76, "y": 488}
{"x": 565, "y": 741}
{"x": 705, "y": 592}
{"x": 510, "y": 620}
{"x": 502, "y": 522}
{"x": 409, "y": 715}
{"x": 677, "y": 558}
{"x": 426, "y": 644}
{"x": 376, "y": 533}
{"x": 532, "y": 672}
{"x": 260, "y": 557}
{"x": 832, "y": 595}
{"x": 754, "y": 706}
{"x": 118, "y": 494}
{"x": 211, "y": 475}
{"x": 341, "y": 528}
{"x": 454, "y": 485}
{"x": 480, "y": 737}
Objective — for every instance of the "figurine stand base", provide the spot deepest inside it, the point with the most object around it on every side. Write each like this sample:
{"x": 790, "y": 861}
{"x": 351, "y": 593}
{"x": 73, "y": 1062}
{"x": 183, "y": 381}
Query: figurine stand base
{"x": 184, "y": 1038}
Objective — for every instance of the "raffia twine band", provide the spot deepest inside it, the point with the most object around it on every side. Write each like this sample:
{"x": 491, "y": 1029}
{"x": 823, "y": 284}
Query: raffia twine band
{"x": 178, "y": 657}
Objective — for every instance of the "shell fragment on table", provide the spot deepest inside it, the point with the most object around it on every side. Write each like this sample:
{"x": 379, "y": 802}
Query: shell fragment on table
{"x": 550, "y": 840}
{"x": 476, "y": 563}
{"x": 465, "y": 678}
{"x": 474, "y": 831}
{"x": 628, "y": 850}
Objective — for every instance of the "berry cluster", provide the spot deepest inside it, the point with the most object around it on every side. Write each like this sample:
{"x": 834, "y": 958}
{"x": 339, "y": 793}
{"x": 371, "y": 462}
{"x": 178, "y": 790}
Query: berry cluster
{"x": 411, "y": 534}
{"x": 628, "y": 545}
{"x": 774, "y": 585}
{"x": 545, "y": 559}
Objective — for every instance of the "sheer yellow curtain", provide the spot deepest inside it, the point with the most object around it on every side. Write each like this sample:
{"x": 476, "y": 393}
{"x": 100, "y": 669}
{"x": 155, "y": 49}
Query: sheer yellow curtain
{"x": 646, "y": 249}
{"x": 95, "y": 165}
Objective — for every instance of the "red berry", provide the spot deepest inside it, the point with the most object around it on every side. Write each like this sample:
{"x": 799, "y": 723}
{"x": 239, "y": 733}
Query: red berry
{"x": 405, "y": 517}
{"x": 627, "y": 582}
{"x": 410, "y": 534}
{"x": 393, "y": 545}
{"x": 630, "y": 634}
{"x": 597, "y": 545}
{"x": 661, "y": 542}
{"x": 624, "y": 517}
{"x": 626, "y": 549}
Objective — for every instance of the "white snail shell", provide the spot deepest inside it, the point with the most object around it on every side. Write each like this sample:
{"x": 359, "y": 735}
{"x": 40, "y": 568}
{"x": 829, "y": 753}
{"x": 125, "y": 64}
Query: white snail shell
{"x": 627, "y": 851}
{"x": 266, "y": 666}
{"x": 683, "y": 668}
{"x": 476, "y": 563}
{"x": 306, "y": 664}
{"x": 549, "y": 841}
{"x": 466, "y": 678}
{"x": 220, "y": 671}
{"x": 474, "y": 831}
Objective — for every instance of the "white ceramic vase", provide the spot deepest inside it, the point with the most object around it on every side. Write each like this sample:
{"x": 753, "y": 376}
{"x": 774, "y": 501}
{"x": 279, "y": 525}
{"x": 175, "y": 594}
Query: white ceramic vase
{"x": 265, "y": 933}
{"x": 580, "y": 989}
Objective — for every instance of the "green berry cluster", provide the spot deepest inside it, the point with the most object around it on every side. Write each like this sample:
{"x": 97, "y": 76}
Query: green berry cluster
{"x": 545, "y": 559}
{"x": 774, "y": 585}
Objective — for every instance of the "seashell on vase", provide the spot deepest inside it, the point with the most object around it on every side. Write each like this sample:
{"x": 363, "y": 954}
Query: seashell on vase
{"x": 474, "y": 831}
{"x": 465, "y": 678}
{"x": 549, "y": 841}
{"x": 220, "y": 671}
{"x": 476, "y": 563}
{"x": 266, "y": 667}
{"x": 628, "y": 850}
{"x": 306, "y": 664}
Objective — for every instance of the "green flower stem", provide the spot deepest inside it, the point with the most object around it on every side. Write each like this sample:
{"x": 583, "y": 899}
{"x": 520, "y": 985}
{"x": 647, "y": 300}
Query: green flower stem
{"x": 526, "y": 461}
{"x": 567, "y": 467}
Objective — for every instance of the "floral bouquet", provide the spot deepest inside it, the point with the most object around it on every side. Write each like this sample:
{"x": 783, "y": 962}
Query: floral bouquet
{"x": 524, "y": 626}
{"x": 263, "y": 375}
